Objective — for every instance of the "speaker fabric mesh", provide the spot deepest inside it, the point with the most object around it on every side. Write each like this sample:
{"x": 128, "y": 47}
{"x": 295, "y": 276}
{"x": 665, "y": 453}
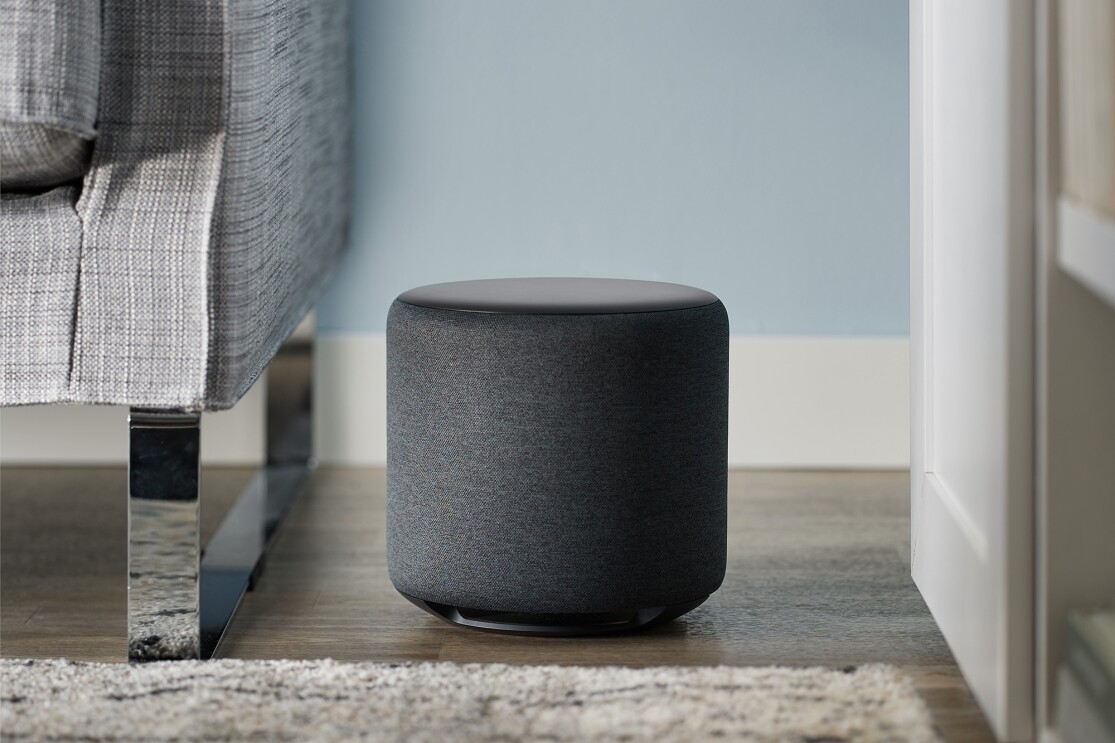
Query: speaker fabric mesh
{"x": 548, "y": 463}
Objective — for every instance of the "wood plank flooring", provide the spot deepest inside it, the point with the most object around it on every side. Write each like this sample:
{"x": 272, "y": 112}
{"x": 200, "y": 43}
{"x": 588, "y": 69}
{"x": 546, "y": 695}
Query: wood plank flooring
{"x": 818, "y": 574}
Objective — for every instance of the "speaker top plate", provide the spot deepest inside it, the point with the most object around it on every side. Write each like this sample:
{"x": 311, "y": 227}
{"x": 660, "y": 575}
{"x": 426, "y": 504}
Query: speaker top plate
{"x": 558, "y": 296}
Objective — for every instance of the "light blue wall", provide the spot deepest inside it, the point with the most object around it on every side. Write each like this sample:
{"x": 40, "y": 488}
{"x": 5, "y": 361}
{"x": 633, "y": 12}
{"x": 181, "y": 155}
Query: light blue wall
{"x": 755, "y": 149}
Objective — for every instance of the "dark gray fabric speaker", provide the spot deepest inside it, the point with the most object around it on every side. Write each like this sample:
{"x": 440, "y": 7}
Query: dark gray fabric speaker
{"x": 557, "y": 452}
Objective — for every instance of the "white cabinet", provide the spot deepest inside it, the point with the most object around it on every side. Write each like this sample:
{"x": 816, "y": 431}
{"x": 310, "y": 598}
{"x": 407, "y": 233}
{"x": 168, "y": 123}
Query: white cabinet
{"x": 1013, "y": 358}
{"x": 972, "y": 337}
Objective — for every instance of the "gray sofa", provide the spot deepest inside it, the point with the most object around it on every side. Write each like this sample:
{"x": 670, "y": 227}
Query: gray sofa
{"x": 173, "y": 196}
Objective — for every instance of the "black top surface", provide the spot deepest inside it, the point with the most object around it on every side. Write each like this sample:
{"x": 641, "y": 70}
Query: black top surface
{"x": 558, "y": 296}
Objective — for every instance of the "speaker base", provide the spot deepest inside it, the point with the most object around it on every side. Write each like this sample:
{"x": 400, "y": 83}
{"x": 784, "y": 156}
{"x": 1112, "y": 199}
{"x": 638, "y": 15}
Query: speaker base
{"x": 556, "y": 625}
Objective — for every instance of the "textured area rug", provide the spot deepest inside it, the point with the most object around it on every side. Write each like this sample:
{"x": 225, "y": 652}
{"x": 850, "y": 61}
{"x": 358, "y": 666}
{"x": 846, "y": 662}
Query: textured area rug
{"x": 326, "y": 701}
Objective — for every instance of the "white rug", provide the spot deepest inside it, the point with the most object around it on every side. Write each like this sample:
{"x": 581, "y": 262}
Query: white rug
{"x": 326, "y": 701}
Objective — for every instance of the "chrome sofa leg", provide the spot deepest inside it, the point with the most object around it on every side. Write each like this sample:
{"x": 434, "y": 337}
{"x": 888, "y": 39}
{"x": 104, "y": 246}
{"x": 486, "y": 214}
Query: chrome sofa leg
{"x": 234, "y": 557}
{"x": 179, "y": 607}
{"x": 163, "y": 551}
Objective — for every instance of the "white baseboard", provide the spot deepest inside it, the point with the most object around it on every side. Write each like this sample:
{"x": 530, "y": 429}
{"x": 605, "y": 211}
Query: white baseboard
{"x": 819, "y": 402}
{"x": 98, "y": 434}
{"x": 795, "y": 402}
{"x": 350, "y": 399}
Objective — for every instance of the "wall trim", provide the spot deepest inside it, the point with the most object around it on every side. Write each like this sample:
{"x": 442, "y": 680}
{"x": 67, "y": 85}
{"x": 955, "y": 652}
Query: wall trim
{"x": 833, "y": 402}
{"x": 97, "y": 435}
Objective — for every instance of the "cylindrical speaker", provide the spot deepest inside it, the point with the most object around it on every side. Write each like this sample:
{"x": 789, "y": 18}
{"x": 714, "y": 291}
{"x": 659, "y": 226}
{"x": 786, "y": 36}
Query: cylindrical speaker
{"x": 557, "y": 452}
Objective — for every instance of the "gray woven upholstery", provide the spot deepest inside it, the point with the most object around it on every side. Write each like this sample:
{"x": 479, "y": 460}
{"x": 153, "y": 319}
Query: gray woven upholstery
{"x": 557, "y": 463}
{"x": 283, "y": 205}
{"x": 40, "y": 241}
{"x": 142, "y": 315}
{"x": 215, "y": 204}
{"x": 49, "y": 71}
{"x": 35, "y": 156}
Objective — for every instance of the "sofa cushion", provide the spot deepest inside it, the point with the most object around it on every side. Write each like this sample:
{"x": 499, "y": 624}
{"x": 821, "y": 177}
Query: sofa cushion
{"x": 34, "y": 156}
{"x": 49, "y": 75}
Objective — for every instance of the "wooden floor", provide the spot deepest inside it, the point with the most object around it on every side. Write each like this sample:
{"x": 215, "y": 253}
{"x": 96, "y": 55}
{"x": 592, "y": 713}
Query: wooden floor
{"x": 818, "y": 574}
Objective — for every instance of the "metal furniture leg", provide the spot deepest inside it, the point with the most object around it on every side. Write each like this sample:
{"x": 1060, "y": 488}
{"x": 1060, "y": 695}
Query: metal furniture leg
{"x": 233, "y": 559}
{"x": 163, "y": 509}
{"x": 179, "y": 607}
